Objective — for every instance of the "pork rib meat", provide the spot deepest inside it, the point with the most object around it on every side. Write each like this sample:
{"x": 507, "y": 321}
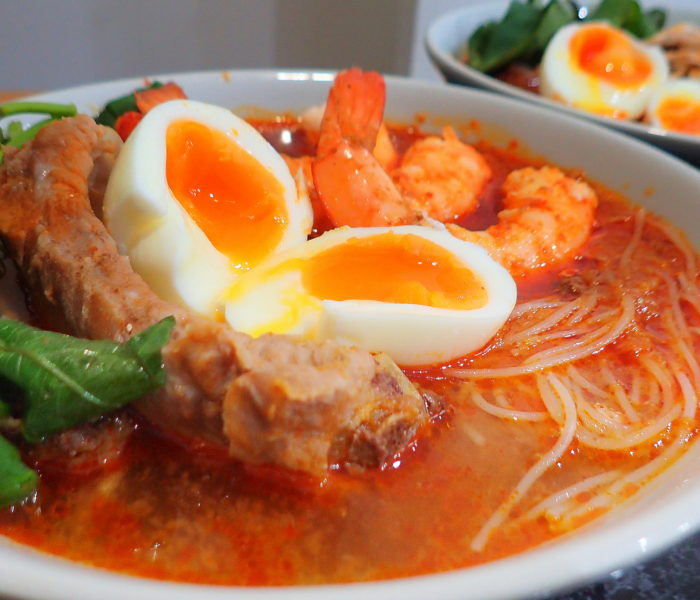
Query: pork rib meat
{"x": 272, "y": 399}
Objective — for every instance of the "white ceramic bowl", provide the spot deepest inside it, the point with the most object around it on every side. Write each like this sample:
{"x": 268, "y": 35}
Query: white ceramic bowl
{"x": 446, "y": 39}
{"x": 663, "y": 513}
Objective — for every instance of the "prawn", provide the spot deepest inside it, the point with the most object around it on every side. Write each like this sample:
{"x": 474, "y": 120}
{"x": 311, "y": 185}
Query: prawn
{"x": 444, "y": 175}
{"x": 357, "y": 173}
{"x": 546, "y": 217}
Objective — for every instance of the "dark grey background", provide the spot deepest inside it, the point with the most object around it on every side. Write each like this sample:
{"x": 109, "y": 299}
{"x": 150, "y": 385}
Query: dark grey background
{"x": 674, "y": 575}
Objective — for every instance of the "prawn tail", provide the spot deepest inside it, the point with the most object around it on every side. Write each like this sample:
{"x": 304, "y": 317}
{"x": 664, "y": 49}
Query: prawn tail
{"x": 354, "y": 110}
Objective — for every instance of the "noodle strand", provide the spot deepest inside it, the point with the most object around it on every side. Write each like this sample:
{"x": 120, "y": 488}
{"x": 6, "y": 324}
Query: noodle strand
{"x": 566, "y": 436}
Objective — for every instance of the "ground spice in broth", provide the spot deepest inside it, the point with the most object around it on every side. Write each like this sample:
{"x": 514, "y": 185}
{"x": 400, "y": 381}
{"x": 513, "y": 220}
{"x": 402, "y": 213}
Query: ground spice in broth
{"x": 156, "y": 507}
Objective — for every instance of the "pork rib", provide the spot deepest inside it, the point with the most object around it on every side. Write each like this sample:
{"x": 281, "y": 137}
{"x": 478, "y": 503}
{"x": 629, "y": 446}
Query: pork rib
{"x": 272, "y": 399}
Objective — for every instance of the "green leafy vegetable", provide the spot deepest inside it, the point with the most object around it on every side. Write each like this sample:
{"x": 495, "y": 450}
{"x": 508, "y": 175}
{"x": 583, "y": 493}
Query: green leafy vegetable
{"x": 17, "y": 480}
{"x": 614, "y": 12}
{"x": 526, "y": 28}
{"x": 68, "y": 381}
{"x": 499, "y": 43}
{"x": 40, "y": 108}
{"x": 117, "y": 107}
{"x": 15, "y": 134}
{"x": 644, "y": 25}
{"x": 18, "y": 136}
{"x": 628, "y": 14}
{"x": 557, "y": 14}
{"x": 656, "y": 19}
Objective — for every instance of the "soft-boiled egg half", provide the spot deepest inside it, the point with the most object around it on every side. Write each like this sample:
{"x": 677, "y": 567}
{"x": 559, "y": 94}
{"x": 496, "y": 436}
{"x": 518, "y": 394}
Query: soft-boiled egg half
{"x": 676, "y": 106}
{"x": 418, "y": 294}
{"x": 196, "y": 197}
{"x": 601, "y": 69}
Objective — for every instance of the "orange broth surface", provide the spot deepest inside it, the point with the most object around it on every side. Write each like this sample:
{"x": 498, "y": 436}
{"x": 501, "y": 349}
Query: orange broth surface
{"x": 162, "y": 508}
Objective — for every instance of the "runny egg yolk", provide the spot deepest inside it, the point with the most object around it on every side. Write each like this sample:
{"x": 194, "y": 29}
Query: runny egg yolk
{"x": 231, "y": 196}
{"x": 680, "y": 113}
{"x": 402, "y": 269}
{"x": 608, "y": 55}
{"x": 416, "y": 293}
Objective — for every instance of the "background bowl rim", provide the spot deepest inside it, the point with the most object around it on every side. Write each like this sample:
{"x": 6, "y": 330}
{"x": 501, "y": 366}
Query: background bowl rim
{"x": 446, "y": 61}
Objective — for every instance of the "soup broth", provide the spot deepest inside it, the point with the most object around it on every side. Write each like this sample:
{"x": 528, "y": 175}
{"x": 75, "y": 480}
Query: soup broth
{"x": 505, "y": 465}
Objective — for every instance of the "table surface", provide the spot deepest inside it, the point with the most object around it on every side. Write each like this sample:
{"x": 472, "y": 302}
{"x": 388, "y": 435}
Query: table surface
{"x": 674, "y": 575}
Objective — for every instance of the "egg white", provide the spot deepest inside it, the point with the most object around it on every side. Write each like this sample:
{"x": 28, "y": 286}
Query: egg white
{"x": 562, "y": 79}
{"x": 268, "y": 299}
{"x": 164, "y": 244}
{"x": 685, "y": 88}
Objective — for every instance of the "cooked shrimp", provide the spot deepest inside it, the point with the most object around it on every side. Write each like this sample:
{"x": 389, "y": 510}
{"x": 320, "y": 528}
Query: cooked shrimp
{"x": 444, "y": 176}
{"x": 352, "y": 185}
{"x": 546, "y": 217}
{"x": 354, "y": 170}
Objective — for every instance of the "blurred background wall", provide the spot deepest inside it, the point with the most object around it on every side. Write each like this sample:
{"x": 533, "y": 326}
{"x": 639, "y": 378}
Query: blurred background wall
{"x": 48, "y": 44}
{"x": 56, "y": 43}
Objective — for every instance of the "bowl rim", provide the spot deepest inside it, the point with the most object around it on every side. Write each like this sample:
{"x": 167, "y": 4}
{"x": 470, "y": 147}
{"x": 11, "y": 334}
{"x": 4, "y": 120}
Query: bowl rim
{"x": 445, "y": 59}
{"x": 605, "y": 548}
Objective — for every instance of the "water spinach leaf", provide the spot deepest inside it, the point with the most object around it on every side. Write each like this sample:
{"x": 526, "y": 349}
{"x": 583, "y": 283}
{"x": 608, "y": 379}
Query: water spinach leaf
{"x": 17, "y": 480}
{"x": 615, "y": 12}
{"x": 628, "y": 15}
{"x": 497, "y": 44}
{"x": 557, "y": 14}
{"x": 68, "y": 381}
{"x": 644, "y": 25}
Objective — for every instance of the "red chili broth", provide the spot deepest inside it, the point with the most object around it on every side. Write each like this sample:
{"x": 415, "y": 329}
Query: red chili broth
{"x": 169, "y": 510}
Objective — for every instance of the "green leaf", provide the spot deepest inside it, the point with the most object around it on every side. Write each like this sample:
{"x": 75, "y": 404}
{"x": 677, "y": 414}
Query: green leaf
{"x": 19, "y": 136}
{"x": 68, "y": 381}
{"x": 14, "y": 128}
{"x": 636, "y": 23}
{"x": 17, "y": 480}
{"x": 29, "y": 107}
{"x": 4, "y": 410}
{"x": 615, "y": 12}
{"x": 656, "y": 18}
{"x": 499, "y": 43}
{"x": 628, "y": 15}
{"x": 644, "y": 25}
{"x": 117, "y": 107}
{"x": 557, "y": 14}
{"x": 16, "y": 135}
{"x": 478, "y": 42}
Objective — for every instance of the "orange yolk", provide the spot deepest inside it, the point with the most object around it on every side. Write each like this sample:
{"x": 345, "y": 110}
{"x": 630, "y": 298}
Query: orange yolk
{"x": 404, "y": 269}
{"x": 608, "y": 55}
{"x": 235, "y": 200}
{"x": 680, "y": 113}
